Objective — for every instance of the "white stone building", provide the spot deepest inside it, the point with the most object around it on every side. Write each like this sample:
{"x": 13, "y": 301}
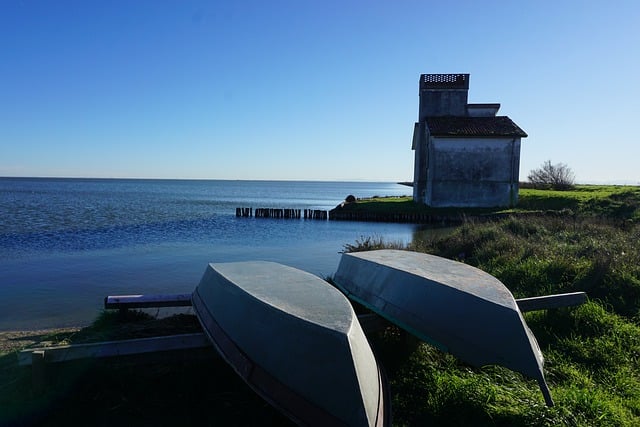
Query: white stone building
{"x": 465, "y": 155}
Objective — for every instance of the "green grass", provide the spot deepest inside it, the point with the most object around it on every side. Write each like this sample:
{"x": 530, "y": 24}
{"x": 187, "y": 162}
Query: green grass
{"x": 611, "y": 201}
{"x": 592, "y": 352}
{"x": 537, "y": 256}
{"x": 622, "y": 202}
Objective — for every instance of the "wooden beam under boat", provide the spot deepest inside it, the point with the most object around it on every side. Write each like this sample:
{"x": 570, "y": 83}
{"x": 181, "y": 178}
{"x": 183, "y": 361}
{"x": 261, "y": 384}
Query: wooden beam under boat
{"x": 125, "y": 302}
{"x": 456, "y": 307}
{"x": 295, "y": 340}
{"x": 118, "y": 348}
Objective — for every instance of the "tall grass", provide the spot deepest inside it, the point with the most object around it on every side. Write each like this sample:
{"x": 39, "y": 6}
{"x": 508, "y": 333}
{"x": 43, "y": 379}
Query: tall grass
{"x": 613, "y": 202}
{"x": 592, "y": 352}
{"x": 537, "y": 256}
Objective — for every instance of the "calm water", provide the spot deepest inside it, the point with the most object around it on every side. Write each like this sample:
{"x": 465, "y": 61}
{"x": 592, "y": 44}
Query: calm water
{"x": 67, "y": 243}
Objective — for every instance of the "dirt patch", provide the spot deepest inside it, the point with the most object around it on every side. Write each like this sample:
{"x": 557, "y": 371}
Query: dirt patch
{"x": 17, "y": 340}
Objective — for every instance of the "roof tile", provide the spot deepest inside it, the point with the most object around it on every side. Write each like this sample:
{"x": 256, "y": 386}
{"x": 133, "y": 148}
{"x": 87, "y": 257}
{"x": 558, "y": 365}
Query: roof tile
{"x": 474, "y": 126}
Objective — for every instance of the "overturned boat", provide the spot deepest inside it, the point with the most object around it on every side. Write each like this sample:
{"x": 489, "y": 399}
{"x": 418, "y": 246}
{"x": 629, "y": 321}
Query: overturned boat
{"x": 295, "y": 340}
{"x": 454, "y": 306}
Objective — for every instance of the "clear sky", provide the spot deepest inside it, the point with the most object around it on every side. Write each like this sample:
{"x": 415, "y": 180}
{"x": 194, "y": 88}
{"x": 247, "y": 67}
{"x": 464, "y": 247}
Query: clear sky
{"x": 306, "y": 90}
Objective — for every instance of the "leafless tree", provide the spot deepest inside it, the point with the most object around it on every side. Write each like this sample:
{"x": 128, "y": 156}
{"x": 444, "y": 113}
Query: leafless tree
{"x": 558, "y": 176}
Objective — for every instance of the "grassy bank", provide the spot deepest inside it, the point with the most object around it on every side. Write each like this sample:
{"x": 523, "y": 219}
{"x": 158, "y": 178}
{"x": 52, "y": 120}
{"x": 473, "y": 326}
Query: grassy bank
{"x": 592, "y": 352}
{"x": 605, "y": 201}
{"x": 610, "y": 201}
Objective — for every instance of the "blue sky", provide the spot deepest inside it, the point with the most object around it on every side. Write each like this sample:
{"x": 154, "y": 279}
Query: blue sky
{"x": 317, "y": 90}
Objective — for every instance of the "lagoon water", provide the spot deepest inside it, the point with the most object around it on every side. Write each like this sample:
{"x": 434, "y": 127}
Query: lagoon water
{"x": 67, "y": 243}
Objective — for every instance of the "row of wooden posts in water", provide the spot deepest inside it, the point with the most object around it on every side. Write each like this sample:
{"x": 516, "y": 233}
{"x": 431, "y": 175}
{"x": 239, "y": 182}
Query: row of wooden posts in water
{"x": 282, "y": 213}
{"x": 345, "y": 215}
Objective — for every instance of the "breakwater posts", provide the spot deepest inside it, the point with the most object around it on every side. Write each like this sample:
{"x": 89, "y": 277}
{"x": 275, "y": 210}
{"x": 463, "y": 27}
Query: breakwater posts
{"x": 244, "y": 212}
{"x": 346, "y": 215}
{"x": 315, "y": 214}
{"x": 277, "y": 213}
{"x": 338, "y": 214}
{"x": 282, "y": 213}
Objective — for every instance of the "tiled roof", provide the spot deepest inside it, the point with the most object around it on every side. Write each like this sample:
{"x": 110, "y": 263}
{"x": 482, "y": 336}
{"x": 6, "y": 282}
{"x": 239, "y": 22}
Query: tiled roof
{"x": 473, "y": 126}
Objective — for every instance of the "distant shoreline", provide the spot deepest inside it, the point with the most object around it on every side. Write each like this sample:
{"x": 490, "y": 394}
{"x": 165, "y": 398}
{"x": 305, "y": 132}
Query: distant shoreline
{"x": 71, "y": 178}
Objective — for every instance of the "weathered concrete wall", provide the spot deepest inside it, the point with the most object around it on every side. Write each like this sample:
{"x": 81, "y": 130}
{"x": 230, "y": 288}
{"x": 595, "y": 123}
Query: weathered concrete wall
{"x": 472, "y": 159}
{"x": 443, "y": 102}
{"x": 420, "y": 163}
{"x": 480, "y": 172}
{"x": 472, "y": 194}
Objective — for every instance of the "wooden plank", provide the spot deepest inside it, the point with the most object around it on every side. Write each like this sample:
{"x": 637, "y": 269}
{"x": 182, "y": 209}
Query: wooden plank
{"x": 551, "y": 301}
{"x": 147, "y": 301}
{"x": 184, "y": 300}
{"x": 66, "y": 353}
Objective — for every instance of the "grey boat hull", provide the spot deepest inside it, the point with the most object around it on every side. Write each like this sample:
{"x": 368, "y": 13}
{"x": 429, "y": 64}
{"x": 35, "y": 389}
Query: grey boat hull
{"x": 295, "y": 340}
{"x": 454, "y": 306}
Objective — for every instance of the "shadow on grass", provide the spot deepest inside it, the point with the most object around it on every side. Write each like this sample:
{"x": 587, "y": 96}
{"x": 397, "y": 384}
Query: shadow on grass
{"x": 172, "y": 388}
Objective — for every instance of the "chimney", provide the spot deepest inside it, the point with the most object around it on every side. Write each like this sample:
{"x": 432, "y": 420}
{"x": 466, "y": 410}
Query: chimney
{"x": 443, "y": 95}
